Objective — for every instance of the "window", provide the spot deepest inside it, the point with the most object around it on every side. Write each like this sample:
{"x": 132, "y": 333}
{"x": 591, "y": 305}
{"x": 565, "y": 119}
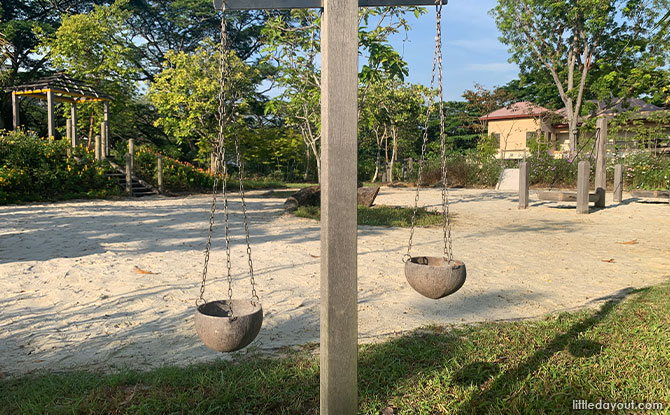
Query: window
{"x": 496, "y": 136}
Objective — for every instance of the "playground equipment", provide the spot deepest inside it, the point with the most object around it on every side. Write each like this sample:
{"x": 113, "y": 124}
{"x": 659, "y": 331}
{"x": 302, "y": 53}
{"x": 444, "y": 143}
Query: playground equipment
{"x": 229, "y": 324}
{"x": 339, "y": 128}
{"x": 582, "y": 196}
{"x": 435, "y": 277}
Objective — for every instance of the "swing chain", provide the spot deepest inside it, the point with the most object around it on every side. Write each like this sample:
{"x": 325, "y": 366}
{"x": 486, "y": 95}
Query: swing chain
{"x": 436, "y": 59}
{"x": 254, "y": 296}
{"x": 446, "y": 220}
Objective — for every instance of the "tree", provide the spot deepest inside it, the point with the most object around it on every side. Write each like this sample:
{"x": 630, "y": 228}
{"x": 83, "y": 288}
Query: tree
{"x": 185, "y": 95}
{"x": 294, "y": 41}
{"x": 569, "y": 38}
{"x": 97, "y": 48}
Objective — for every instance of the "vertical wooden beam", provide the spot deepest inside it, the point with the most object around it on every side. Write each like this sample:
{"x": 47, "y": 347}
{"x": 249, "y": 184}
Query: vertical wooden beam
{"x": 68, "y": 129}
{"x": 73, "y": 115}
{"x": 339, "y": 296}
{"x": 51, "y": 114}
{"x": 583, "y": 173}
{"x": 98, "y": 147}
{"x": 159, "y": 173}
{"x": 618, "y": 183}
{"x": 129, "y": 175}
{"x": 105, "y": 107}
{"x": 524, "y": 172}
{"x": 131, "y": 152}
{"x": 103, "y": 137}
{"x": 15, "y": 111}
{"x": 601, "y": 158}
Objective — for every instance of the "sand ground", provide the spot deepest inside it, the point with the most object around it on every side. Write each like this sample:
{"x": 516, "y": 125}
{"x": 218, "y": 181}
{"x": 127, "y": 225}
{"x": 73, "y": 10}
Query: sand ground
{"x": 71, "y": 298}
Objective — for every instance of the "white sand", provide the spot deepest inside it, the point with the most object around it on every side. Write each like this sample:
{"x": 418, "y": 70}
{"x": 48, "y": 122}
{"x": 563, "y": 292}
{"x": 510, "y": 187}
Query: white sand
{"x": 72, "y": 300}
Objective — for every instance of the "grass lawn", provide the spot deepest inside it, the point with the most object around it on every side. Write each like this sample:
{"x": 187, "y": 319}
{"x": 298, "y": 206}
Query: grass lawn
{"x": 620, "y": 353}
{"x": 381, "y": 216}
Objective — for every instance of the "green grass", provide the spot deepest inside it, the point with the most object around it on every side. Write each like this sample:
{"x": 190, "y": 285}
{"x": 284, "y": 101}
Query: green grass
{"x": 381, "y": 216}
{"x": 620, "y": 353}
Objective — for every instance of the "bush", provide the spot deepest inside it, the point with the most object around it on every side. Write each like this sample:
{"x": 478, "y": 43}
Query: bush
{"x": 180, "y": 176}
{"x": 646, "y": 171}
{"x": 467, "y": 169}
{"x": 37, "y": 169}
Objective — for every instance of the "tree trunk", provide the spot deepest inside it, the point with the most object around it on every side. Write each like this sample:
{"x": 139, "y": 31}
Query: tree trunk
{"x": 311, "y": 196}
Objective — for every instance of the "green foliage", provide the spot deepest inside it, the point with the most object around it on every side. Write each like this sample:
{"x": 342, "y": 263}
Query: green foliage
{"x": 647, "y": 171}
{"x": 618, "y": 353}
{"x": 185, "y": 95}
{"x": 465, "y": 169}
{"x": 37, "y": 169}
{"x": 180, "y": 176}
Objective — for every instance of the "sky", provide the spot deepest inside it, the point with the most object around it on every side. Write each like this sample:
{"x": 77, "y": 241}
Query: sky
{"x": 472, "y": 52}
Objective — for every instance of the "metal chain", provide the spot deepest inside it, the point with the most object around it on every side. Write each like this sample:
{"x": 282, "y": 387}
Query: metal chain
{"x": 446, "y": 220}
{"x": 220, "y": 168}
{"x": 254, "y": 295}
{"x": 408, "y": 255}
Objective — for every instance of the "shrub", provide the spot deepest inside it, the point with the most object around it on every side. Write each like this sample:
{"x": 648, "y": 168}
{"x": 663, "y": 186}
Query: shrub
{"x": 38, "y": 169}
{"x": 646, "y": 171}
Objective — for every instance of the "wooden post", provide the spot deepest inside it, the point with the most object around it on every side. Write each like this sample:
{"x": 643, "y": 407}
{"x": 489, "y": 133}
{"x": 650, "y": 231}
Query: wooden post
{"x": 15, "y": 111}
{"x": 131, "y": 151}
{"x": 129, "y": 175}
{"x": 73, "y": 115}
{"x": 159, "y": 172}
{"x": 583, "y": 174}
{"x": 410, "y": 166}
{"x": 339, "y": 293}
{"x": 68, "y": 129}
{"x": 97, "y": 147}
{"x": 51, "y": 114}
{"x": 601, "y": 158}
{"x": 524, "y": 173}
{"x": 105, "y": 107}
{"x": 618, "y": 183}
{"x": 103, "y": 137}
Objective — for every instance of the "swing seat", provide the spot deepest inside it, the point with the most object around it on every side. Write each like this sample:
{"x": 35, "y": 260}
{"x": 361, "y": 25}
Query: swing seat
{"x": 557, "y": 196}
{"x": 221, "y": 333}
{"x": 434, "y": 277}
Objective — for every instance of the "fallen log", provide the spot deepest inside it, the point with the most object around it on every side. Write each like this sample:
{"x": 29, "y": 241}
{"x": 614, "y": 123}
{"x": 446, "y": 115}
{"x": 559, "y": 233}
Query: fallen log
{"x": 311, "y": 196}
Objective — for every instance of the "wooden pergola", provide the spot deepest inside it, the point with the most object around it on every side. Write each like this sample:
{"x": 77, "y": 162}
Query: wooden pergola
{"x": 62, "y": 88}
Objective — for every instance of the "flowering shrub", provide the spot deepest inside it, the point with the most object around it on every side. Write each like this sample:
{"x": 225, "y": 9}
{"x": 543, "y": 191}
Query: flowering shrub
{"x": 181, "y": 176}
{"x": 646, "y": 171}
{"x": 38, "y": 169}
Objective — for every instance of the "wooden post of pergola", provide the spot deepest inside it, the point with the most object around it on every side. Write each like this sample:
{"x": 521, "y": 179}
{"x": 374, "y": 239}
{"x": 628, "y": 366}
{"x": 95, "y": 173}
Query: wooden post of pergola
{"x": 16, "y": 118}
{"x": 60, "y": 88}
{"x": 339, "y": 120}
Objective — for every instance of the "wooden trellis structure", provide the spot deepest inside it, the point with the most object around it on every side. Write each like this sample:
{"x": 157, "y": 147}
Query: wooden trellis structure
{"x": 339, "y": 120}
{"x": 62, "y": 88}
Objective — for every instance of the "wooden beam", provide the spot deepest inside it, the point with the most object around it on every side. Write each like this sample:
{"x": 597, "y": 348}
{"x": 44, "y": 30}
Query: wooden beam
{"x": 339, "y": 182}
{"x": 601, "y": 158}
{"x": 73, "y": 115}
{"x": 524, "y": 175}
{"x": 51, "y": 115}
{"x": 311, "y": 4}
{"x": 583, "y": 196}
{"x": 15, "y": 111}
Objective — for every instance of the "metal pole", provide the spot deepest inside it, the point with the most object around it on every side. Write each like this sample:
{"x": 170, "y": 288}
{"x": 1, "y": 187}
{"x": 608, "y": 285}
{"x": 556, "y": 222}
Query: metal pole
{"x": 339, "y": 294}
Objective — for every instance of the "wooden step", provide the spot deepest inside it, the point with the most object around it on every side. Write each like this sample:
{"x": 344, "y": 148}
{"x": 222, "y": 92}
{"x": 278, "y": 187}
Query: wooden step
{"x": 557, "y": 196}
{"x": 661, "y": 194}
